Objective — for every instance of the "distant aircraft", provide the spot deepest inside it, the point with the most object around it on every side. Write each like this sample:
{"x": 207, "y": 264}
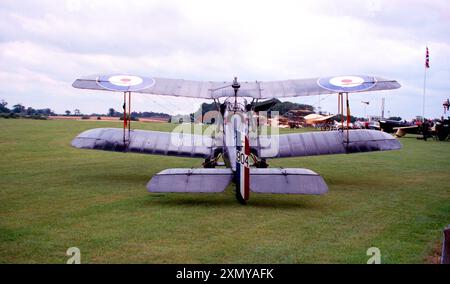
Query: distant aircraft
{"x": 244, "y": 153}
{"x": 402, "y": 131}
{"x": 318, "y": 118}
{"x": 399, "y": 128}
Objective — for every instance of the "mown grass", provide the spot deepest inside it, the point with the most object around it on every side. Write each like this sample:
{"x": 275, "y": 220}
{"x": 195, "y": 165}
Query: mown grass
{"x": 53, "y": 197}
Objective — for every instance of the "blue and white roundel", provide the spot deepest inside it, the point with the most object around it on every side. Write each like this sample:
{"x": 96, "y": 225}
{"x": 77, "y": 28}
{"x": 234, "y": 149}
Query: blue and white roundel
{"x": 347, "y": 83}
{"x": 124, "y": 83}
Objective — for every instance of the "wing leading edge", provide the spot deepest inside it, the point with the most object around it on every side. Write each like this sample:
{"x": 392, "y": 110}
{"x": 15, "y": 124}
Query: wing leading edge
{"x": 325, "y": 143}
{"x": 256, "y": 89}
{"x": 146, "y": 142}
{"x": 198, "y": 146}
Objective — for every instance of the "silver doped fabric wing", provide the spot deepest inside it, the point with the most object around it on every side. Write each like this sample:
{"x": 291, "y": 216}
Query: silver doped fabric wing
{"x": 198, "y": 146}
{"x": 274, "y": 180}
{"x": 325, "y": 143}
{"x": 287, "y": 181}
{"x": 190, "y": 180}
{"x": 255, "y": 89}
{"x": 146, "y": 142}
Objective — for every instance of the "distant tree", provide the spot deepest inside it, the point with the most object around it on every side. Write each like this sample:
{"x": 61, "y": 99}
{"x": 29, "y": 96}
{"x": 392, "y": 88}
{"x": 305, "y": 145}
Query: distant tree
{"x": 18, "y": 108}
{"x": 205, "y": 107}
{"x": 339, "y": 118}
{"x": 281, "y": 107}
{"x": 284, "y": 107}
{"x": 67, "y": 112}
{"x": 111, "y": 112}
{"x": 3, "y": 107}
{"x": 45, "y": 111}
{"x": 77, "y": 112}
{"x": 153, "y": 114}
{"x": 30, "y": 111}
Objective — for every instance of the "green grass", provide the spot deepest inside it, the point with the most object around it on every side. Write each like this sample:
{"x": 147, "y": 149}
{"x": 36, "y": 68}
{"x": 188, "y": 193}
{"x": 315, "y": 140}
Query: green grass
{"x": 53, "y": 197}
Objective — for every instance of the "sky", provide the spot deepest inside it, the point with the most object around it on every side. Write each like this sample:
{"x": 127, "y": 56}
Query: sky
{"x": 46, "y": 45}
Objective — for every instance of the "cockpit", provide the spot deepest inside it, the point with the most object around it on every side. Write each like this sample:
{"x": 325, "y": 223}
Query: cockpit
{"x": 235, "y": 105}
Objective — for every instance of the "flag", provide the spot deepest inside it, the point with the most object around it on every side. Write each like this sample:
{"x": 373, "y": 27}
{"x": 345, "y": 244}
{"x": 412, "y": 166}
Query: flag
{"x": 427, "y": 59}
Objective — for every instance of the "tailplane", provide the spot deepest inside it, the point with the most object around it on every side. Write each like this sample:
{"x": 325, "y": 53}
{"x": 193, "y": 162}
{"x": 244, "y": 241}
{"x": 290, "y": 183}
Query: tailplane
{"x": 287, "y": 181}
{"x": 191, "y": 180}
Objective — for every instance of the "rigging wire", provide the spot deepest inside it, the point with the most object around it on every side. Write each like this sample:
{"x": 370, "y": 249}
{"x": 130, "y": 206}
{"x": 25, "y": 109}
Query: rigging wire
{"x": 149, "y": 97}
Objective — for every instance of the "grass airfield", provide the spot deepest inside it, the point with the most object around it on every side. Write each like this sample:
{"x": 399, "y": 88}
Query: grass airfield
{"x": 53, "y": 197}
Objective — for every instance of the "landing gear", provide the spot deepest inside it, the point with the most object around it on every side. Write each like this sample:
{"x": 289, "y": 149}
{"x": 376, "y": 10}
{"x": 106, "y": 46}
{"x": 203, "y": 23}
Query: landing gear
{"x": 261, "y": 164}
{"x": 212, "y": 162}
{"x": 209, "y": 163}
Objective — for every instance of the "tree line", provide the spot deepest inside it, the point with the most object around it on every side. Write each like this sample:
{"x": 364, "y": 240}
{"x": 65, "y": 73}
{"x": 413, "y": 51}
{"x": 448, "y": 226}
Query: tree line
{"x": 19, "y": 110}
{"x": 281, "y": 107}
{"x": 148, "y": 114}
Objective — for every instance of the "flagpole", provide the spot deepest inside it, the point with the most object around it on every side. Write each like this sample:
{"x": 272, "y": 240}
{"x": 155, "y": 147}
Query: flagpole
{"x": 427, "y": 65}
{"x": 424, "y": 91}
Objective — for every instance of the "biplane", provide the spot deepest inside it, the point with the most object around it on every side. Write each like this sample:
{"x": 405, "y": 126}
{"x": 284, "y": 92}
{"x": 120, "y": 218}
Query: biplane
{"x": 399, "y": 128}
{"x": 244, "y": 152}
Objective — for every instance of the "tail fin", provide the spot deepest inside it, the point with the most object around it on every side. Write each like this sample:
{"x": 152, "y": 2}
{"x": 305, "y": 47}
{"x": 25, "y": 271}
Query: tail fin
{"x": 242, "y": 167}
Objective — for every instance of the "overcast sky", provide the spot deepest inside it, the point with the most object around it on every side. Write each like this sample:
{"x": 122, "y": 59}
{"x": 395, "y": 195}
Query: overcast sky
{"x": 46, "y": 45}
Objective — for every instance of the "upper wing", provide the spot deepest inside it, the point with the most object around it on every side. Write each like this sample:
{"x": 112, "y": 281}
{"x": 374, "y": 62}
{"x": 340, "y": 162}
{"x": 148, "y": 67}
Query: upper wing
{"x": 257, "y": 90}
{"x": 146, "y": 142}
{"x": 156, "y": 86}
{"x": 325, "y": 143}
{"x": 326, "y": 85}
{"x": 164, "y": 86}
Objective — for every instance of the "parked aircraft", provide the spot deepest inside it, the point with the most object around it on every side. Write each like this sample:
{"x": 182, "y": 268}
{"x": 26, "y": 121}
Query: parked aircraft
{"x": 244, "y": 151}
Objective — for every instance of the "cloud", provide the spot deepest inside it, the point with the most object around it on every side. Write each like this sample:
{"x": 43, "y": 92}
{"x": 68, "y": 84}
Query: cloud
{"x": 45, "y": 45}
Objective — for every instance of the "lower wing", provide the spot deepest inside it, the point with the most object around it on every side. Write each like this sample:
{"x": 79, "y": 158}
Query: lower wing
{"x": 146, "y": 142}
{"x": 325, "y": 143}
{"x": 198, "y": 146}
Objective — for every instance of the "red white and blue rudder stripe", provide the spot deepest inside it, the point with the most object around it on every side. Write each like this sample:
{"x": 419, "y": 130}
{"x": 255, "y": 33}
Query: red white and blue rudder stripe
{"x": 242, "y": 165}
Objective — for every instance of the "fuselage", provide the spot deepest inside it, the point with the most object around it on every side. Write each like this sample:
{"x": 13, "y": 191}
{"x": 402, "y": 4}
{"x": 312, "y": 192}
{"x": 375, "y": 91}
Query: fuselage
{"x": 236, "y": 150}
{"x": 235, "y": 118}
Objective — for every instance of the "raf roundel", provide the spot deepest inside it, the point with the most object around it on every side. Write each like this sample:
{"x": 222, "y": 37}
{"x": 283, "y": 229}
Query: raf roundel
{"x": 347, "y": 83}
{"x": 124, "y": 83}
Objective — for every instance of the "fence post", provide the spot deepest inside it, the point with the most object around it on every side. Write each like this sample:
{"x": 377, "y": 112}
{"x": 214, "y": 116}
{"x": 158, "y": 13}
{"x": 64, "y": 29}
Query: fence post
{"x": 446, "y": 247}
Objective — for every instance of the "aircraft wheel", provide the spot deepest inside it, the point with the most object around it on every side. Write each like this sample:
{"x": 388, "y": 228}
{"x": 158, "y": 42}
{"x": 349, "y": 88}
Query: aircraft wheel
{"x": 209, "y": 164}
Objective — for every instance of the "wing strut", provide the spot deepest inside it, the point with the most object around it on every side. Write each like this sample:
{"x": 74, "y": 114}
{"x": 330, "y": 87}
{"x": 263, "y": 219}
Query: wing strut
{"x": 124, "y": 115}
{"x": 348, "y": 116}
{"x": 341, "y": 112}
{"x": 126, "y": 118}
{"x": 129, "y": 114}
